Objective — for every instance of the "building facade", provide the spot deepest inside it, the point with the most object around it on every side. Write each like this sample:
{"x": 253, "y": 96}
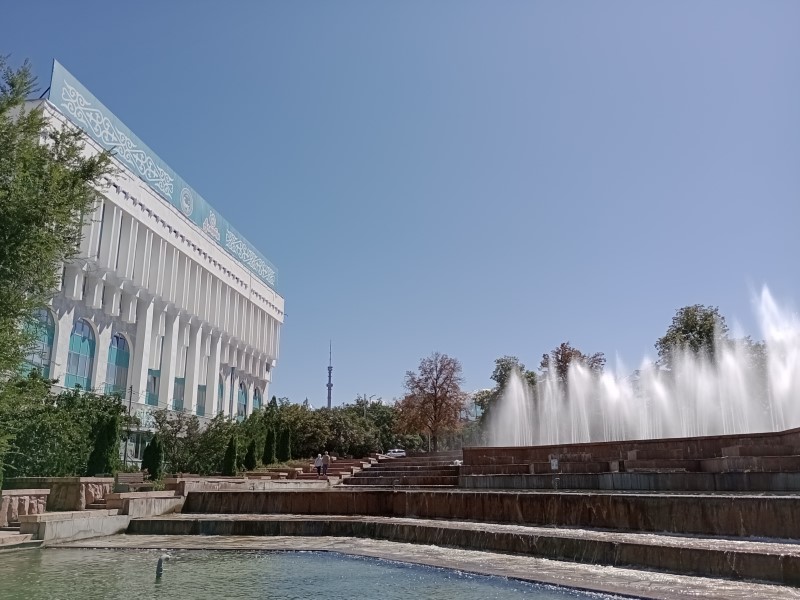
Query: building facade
{"x": 166, "y": 303}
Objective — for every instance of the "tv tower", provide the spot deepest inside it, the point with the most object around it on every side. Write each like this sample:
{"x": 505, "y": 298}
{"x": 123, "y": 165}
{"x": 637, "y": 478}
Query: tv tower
{"x": 330, "y": 372}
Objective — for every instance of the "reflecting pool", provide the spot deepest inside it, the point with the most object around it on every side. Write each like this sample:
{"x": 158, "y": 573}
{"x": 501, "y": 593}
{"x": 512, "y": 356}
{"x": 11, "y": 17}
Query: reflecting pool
{"x": 65, "y": 574}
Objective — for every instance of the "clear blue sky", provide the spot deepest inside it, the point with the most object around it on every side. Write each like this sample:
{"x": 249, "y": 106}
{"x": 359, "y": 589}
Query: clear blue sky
{"x": 477, "y": 178}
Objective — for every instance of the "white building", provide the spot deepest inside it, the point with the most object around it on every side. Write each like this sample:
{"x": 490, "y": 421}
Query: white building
{"x": 166, "y": 303}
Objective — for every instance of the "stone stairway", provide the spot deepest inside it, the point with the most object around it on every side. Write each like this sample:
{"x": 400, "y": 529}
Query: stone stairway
{"x": 768, "y": 561}
{"x": 428, "y": 470}
{"x": 98, "y": 504}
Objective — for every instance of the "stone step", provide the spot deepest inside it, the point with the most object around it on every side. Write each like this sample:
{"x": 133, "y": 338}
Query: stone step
{"x": 441, "y": 471}
{"x": 411, "y": 468}
{"x": 765, "y": 561}
{"x": 404, "y": 480}
{"x": 736, "y": 515}
{"x": 97, "y": 505}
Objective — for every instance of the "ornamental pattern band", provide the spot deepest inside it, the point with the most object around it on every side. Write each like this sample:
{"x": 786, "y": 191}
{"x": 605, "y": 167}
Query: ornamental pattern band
{"x": 126, "y": 150}
{"x": 240, "y": 249}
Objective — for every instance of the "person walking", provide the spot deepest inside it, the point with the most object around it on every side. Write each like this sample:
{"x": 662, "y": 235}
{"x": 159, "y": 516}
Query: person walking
{"x": 326, "y": 461}
{"x": 318, "y": 465}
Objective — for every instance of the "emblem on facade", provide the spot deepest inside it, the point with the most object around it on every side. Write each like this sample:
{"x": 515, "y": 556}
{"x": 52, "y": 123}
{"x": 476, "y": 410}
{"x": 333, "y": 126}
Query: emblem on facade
{"x": 187, "y": 202}
{"x": 210, "y": 225}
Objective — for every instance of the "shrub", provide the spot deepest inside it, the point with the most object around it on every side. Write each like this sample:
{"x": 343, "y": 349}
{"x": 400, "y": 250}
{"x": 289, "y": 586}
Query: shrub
{"x": 105, "y": 453}
{"x": 250, "y": 457}
{"x": 153, "y": 458}
{"x": 229, "y": 462}
{"x": 269, "y": 448}
{"x": 284, "y": 446}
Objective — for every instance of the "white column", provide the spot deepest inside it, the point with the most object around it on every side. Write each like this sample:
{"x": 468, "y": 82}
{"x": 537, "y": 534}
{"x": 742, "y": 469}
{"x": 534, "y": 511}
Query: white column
{"x": 128, "y": 308}
{"x": 101, "y": 356}
{"x": 250, "y": 390}
{"x": 234, "y": 406}
{"x": 94, "y": 293}
{"x": 111, "y": 302}
{"x": 212, "y": 378}
{"x": 58, "y": 368}
{"x": 193, "y": 368}
{"x": 73, "y": 282}
{"x": 169, "y": 359}
{"x": 141, "y": 348}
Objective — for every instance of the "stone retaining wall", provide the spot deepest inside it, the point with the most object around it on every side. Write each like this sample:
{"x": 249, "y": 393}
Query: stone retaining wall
{"x": 687, "y": 448}
{"x": 645, "y": 482}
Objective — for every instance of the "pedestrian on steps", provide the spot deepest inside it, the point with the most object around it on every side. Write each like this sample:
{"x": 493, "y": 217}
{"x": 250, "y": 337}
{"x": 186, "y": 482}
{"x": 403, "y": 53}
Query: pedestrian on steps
{"x": 326, "y": 461}
{"x": 318, "y": 465}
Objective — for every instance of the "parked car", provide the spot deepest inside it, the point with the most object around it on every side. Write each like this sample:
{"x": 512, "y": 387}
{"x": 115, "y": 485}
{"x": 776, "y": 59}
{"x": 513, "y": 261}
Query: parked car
{"x": 396, "y": 453}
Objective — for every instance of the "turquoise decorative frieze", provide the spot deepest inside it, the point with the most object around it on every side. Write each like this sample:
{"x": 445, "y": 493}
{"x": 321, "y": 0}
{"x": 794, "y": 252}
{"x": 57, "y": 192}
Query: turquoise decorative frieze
{"x": 85, "y": 111}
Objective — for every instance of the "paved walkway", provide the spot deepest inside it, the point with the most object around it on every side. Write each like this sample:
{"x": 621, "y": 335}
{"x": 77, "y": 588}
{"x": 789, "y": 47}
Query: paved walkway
{"x": 629, "y": 582}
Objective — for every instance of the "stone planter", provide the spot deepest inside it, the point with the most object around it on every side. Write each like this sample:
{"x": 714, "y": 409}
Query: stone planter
{"x": 18, "y": 503}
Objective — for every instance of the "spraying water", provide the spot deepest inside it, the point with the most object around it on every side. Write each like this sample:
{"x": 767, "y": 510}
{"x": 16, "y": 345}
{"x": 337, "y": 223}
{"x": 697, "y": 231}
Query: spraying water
{"x": 731, "y": 394}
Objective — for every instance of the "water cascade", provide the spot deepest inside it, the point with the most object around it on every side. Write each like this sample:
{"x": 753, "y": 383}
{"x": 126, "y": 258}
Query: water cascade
{"x": 731, "y": 394}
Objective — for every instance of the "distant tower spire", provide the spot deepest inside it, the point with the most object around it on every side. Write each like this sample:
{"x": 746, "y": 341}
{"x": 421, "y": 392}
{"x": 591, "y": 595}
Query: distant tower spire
{"x": 330, "y": 372}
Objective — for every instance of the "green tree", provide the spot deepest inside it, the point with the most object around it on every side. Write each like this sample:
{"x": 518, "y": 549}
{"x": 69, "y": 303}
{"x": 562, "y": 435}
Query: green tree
{"x": 153, "y": 458}
{"x": 105, "y": 454}
{"x": 45, "y": 191}
{"x": 229, "y": 462}
{"x": 503, "y": 368}
{"x": 563, "y": 356}
{"x": 697, "y": 329}
{"x": 250, "y": 457}
{"x": 48, "y": 435}
{"x": 269, "y": 448}
{"x": 284, "y": 445}
{"x": 434, "y": 400}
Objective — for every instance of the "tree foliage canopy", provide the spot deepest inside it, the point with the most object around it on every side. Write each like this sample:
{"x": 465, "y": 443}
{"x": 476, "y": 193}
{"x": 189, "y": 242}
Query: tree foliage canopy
{"x": 47, "y": 184}
{"x": 559, "y": 360}
{"x": 434, "y": 400}
{"x": 697, "y": 329}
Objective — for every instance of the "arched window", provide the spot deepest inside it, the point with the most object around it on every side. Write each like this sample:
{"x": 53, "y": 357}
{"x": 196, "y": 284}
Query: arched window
{"x": 81, "y": 356}
{"x": 241, "y": 405}
{"x": 119, "y": 356}
{"x": 256, "y": 399}
{"x": 42, "y": 349}
{"x": 221, "y": 394}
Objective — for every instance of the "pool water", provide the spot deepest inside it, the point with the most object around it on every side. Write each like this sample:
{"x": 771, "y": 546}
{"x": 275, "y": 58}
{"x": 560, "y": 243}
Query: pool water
{"x": 65, "y": 574}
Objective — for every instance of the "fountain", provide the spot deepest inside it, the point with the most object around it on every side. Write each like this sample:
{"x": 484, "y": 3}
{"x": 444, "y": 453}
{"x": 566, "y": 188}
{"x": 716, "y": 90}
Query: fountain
{"x": 698, "y": 397}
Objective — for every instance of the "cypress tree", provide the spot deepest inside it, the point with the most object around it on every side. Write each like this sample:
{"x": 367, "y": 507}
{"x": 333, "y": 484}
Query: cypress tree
{"x": 105, "y": 453}
{"x": 229, "y": 462}
{"x": 250, "y": 457}
{"x": 269, "y": 448}
{"x": 284, "y": 446}
{"x": 153, "y": 458}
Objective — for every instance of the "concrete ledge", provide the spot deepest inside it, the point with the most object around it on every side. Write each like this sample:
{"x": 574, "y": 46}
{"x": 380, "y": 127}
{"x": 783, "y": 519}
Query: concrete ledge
{"x": 58, "y": 527}
{"x": 145, "y": 504}
{"x": 774, "y": 563}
